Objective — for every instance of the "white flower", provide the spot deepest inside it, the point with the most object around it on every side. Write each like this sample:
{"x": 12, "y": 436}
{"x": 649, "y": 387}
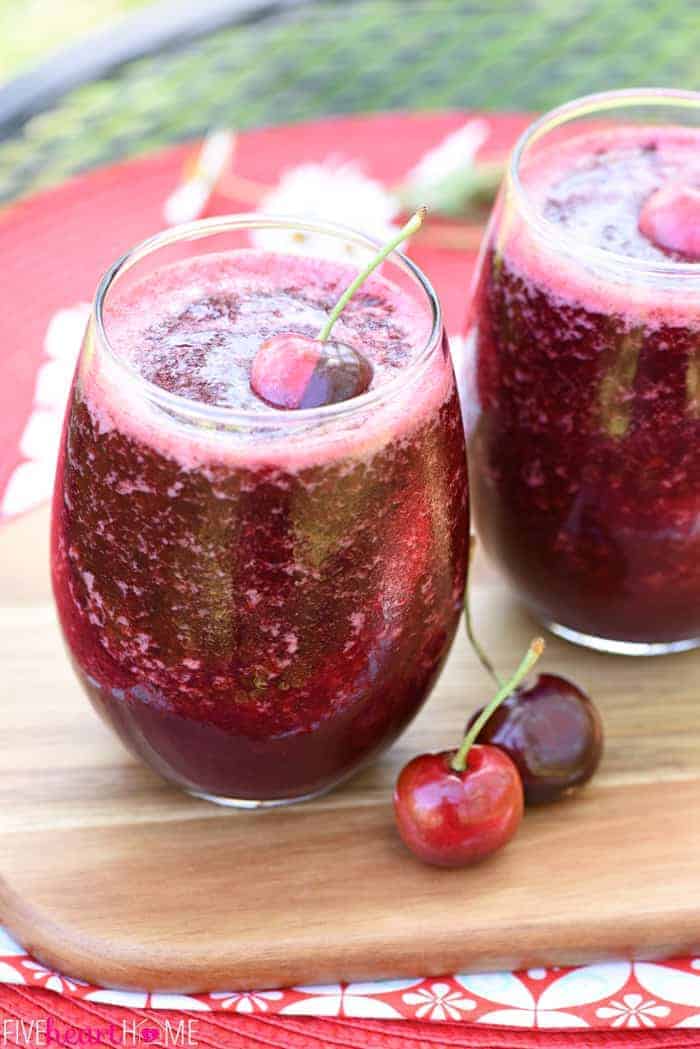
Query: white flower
{"x": 164, "y": 1000}
{"x": 439, "y": 1002}
{"x": 9, "y": 971}
{"x": 9, "y": 948}
{"x": 51, "y": 980}
{"x": 551, "y": 1008}
{"x": 353, "y": 999}
{"x": 334, "y": 191}
{"x": 32, "y": 481}
{"x": 10, "y": 974}
{"x": 669, "y": 984}
{"x": 454, "y": 153}
{"x": 189, "y": 200}
{"x": 127, "y": 999}
{"x": 632, "y": 1011}
{"x": 246, "y": 1002}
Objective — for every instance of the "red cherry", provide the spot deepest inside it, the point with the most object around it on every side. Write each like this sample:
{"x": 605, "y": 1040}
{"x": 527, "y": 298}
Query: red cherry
{"x": 553, "y": 733}
{"x": 296, "y": 371}
{"x": 452, "y": 818}
{"x": 670, "y": 219}
{"x": 458, "y": 806}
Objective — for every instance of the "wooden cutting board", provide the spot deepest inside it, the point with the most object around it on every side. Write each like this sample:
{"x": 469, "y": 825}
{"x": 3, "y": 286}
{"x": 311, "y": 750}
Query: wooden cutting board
{"x": 115, "y": 877}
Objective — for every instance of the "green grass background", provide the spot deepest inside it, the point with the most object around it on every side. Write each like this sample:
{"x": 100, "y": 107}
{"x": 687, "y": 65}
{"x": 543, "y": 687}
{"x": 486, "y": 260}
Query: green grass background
{"x": 31, "y": 29}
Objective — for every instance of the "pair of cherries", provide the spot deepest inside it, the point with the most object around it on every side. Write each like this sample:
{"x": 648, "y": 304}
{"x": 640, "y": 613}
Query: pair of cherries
{"x": 535, "y": 744}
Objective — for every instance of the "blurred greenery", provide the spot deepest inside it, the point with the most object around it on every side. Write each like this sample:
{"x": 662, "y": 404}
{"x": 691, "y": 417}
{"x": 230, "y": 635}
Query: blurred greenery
{"x": 347, "y": 56}
{"x": 29, "y": 29}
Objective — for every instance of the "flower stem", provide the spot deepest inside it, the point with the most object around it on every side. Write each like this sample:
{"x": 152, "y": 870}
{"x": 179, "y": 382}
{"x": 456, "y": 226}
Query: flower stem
{"x": 411, "y": 227}
{"x": 480, "y": 653}
{"x": 459, "y": 761}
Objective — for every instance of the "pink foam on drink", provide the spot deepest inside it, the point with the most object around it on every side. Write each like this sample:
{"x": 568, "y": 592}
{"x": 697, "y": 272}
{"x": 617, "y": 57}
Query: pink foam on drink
{"x": 192, "y": 329}
{"x": 589, "y": 190}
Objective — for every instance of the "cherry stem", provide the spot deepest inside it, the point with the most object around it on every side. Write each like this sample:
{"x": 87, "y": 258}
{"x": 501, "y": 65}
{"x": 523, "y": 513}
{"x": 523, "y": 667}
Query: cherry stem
{"x": 480, "y": 653}
{"x": 459, "y": 761}
{"x": 411, "y": 227}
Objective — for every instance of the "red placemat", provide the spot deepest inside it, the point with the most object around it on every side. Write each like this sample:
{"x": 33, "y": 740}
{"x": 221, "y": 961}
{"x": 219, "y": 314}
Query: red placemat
{"x": 39, "y": 1019}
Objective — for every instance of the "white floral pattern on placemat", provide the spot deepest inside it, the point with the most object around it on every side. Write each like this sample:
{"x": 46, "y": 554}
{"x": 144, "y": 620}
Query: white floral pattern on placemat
{"x": 439, "y": 1001}
{"x": 240, "y": 1002}
{"x": 617, "y": 995}
{"x": 31, "y": 481}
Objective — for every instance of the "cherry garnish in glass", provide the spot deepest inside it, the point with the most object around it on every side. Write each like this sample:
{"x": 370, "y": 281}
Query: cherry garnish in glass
{"x": 670, "y": 219}
{"x": 456, "y": 807}
{"x": 293, "y": 371}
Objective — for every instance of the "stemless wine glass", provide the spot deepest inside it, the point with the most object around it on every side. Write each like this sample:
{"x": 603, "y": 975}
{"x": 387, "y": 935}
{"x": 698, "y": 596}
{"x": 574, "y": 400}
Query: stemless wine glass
{"x": 585, "y": 449}
{"x": 258, "y": 600}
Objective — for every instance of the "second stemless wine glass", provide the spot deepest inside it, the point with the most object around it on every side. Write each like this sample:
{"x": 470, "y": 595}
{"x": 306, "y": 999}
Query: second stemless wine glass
{"x": 256, "y": 600}
{"x": 585, "y": 448}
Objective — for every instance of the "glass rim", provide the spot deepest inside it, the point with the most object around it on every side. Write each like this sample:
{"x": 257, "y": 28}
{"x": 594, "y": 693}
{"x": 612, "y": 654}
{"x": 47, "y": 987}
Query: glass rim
{"x": 601, "y": 102}
{"x": 272, "y": 417}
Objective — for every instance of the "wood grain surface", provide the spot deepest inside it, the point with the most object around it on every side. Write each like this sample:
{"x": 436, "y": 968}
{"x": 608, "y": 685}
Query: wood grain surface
{"x": 113, "y": 876}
